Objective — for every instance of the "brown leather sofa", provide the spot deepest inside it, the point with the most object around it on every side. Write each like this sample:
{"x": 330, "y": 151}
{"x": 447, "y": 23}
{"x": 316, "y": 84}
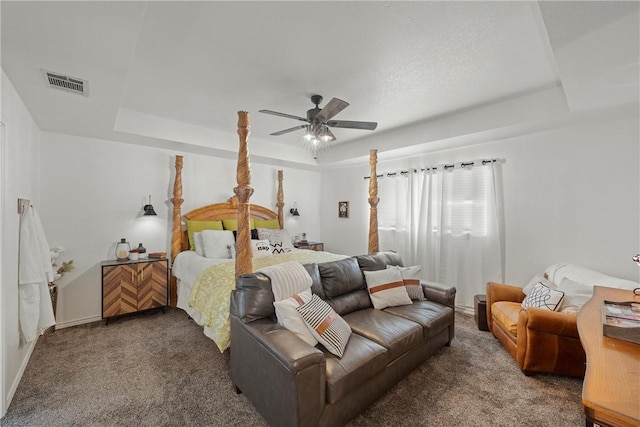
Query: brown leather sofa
{"x": 292, "y": 383}
{"x": 539, "y": 340}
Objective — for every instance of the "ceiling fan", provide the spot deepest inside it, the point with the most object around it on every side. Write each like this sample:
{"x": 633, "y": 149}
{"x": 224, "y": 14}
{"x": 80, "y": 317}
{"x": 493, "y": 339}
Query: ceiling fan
{"x": 318, "y": 121}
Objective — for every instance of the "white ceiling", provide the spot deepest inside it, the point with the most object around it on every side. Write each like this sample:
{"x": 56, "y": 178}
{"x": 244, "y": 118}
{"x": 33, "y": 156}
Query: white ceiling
{"x": 174, "y": 74}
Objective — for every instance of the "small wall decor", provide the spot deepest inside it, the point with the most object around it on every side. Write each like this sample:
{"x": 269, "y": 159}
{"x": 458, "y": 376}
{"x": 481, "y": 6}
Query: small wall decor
{"x": 343, "y": 209}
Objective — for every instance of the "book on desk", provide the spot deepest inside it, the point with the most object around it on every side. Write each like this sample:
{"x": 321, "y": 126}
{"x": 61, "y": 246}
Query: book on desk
{"x": 621, "y": 320}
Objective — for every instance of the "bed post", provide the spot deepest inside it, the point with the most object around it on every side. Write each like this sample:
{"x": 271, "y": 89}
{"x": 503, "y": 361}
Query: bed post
{"x": 244, "y": 261}
{"x": 373, "y": 203}
{"x": 176, "y": 227}
{"x": 280, "y": 202}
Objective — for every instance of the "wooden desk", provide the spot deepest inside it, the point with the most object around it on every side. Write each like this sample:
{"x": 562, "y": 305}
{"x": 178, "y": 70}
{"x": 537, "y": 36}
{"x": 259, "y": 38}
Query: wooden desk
{"x": 611, "y": 388}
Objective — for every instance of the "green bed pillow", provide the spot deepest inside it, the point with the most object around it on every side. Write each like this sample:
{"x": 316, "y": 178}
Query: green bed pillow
{"x": 232, "y": 224}
{"x": 268, "y": 223}
{"x": 196, "y": 226}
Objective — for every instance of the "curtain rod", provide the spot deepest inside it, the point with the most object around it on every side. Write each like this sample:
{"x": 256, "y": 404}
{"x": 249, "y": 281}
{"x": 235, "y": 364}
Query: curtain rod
{"x": 445, "y": 167}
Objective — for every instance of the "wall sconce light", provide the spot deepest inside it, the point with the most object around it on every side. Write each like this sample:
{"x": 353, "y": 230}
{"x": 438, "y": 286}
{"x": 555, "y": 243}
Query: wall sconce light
{"x": 294, "y": 210}
{"x": 148, "y": 208}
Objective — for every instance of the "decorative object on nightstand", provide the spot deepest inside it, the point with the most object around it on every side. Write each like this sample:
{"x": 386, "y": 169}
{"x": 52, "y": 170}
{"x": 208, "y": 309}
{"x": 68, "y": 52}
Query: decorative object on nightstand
{"x": 313, "y": 246}
{"x": 142, "y": 251}
{"x": 132, "y": 286}
{"x": 122, "y": 250}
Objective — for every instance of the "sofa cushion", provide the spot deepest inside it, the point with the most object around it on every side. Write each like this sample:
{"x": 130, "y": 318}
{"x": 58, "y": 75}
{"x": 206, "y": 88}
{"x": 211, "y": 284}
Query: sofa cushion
{"x": 394, "y": 333}
{"x": 316, "y": 284}
{"x": 356, "y": 300}
{"x": 340, "y": 277}
{"x": 362, "y": 359}
{"x": 433, "y": 317}
{"x": 507, "y": 312}
{"x": 378, "y": 261}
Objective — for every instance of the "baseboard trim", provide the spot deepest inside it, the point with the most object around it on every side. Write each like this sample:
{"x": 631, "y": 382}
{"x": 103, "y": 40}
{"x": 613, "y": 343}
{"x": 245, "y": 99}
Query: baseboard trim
{"x": 18, "y": 378}
{"x": 76, "y": 322}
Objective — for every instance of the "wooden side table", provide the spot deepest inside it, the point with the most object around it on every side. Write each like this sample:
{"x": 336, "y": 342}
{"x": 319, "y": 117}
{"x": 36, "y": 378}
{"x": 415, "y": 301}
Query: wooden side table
{"x": 313, "y": 246}
{"x": 132, "y": 286}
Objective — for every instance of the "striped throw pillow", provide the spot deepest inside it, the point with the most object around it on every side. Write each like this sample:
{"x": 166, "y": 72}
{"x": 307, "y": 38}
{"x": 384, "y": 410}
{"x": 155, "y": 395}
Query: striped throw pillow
{"x": 386, "y": 288}
{"x": 331, "y": 330}
{"x": 411, "y": 279}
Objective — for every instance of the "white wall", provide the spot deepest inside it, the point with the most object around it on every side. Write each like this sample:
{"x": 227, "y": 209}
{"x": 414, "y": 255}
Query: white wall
{"x": 571, "y": 195}
{"x": 92, "y": 194}
{"x": 20, "y": 179}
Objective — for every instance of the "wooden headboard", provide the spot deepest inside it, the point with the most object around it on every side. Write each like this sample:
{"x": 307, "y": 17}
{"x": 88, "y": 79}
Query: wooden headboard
{"x": 225, "y": 210}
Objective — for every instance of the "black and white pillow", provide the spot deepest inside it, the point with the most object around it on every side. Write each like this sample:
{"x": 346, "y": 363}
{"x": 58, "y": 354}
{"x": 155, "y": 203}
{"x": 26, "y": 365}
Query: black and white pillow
{"x": 331, "y": 330}
{"x": 543, "y": 297}
{"x": 278, "y": 239}
{"x": 260, "y": 248}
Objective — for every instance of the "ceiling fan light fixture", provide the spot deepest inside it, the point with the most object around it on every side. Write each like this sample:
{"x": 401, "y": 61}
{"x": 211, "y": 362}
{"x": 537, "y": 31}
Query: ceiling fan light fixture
{"x": 325, "y": 135}
{"x": 308, "y": 135}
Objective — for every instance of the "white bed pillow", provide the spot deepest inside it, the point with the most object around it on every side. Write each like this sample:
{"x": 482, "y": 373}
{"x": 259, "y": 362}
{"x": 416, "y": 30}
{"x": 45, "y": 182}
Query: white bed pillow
{"x": 197, "y": 242}
{"x": 386, "y": 288}
{"x": 215, "y": 243}
{"x": 260, "y": 248}
{"x": 278, "y": 239}
{"x": 289, "y": 317}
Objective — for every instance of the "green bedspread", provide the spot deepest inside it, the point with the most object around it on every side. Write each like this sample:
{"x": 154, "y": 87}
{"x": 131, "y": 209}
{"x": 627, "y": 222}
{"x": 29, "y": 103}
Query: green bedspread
{"x": 212, "y": 290}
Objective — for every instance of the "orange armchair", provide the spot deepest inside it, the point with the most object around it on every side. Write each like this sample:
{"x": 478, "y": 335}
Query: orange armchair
{"x": 539, "y": 340}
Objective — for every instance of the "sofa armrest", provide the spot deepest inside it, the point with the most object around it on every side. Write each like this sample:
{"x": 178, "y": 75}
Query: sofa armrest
{"x": 548, "y": 341}
{"x": 283, "y": 376}
{"x": 437, "y": 292}
{"x": 549, "y": 322}
{"x": 501, "y": 292}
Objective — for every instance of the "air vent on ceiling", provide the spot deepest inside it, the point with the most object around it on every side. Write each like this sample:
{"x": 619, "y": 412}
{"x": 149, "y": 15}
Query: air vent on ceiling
{"x": 69, "y": 84}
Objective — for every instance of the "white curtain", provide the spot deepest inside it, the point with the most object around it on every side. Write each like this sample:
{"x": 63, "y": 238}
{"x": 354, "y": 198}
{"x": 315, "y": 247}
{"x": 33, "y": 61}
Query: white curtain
{"x": 448, "y": 220}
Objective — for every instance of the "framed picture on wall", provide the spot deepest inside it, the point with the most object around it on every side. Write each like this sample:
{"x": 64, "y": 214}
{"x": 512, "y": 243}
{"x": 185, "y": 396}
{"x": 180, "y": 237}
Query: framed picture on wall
{"x": 343, "y": 209}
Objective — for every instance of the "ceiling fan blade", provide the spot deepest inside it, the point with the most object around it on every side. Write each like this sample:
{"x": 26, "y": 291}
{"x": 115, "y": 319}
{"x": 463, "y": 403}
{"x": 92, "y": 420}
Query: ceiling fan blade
{"x": 275, "y": 113}
{"x": 352, "y": 125}
{"x": 282, "y": 132}
{"x": 331, "y": 109}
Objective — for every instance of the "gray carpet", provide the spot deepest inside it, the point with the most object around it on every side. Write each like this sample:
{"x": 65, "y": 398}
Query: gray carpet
{"x": 155, "y": 369}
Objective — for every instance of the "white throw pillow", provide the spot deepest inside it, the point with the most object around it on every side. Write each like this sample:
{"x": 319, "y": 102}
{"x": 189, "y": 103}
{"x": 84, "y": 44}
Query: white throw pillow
{"x": 278, "y": 239}
{"x": 538, "y": 279}
{"x": 215, "y": 243}
{"x": 411, "y": 279}
{"x": 260, "y": 248}
{"x": 292, "y": 320}
{"x": 232, "y": 250}
{"x": 386, "y": 288}
{"x": 544, "y": 297}
{"x": 575, "y": 294}
{"x": 331, "y": 330}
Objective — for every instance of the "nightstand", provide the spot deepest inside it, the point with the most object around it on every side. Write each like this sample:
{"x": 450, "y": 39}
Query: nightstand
{"x": 132, "y": 286}
{"x": 313, "y": 246}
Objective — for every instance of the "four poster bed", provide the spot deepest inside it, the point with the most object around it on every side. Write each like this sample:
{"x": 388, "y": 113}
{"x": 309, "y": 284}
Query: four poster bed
{"x": 201, "y": 284}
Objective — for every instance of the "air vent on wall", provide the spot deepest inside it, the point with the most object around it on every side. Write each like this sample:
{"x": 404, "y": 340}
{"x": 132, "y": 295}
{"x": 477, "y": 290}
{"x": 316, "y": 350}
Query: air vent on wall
{"x": 66, "y": 83}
